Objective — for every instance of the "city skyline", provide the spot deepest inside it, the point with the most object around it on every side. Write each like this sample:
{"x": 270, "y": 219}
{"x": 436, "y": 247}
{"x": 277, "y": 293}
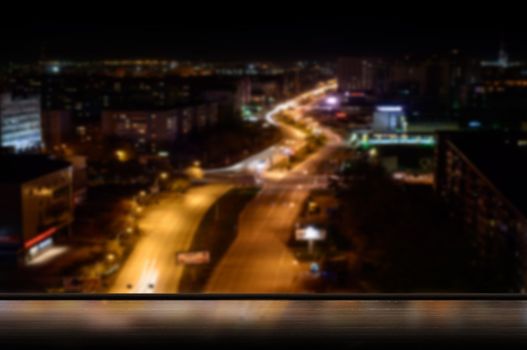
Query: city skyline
{"x": 263, "y": 151}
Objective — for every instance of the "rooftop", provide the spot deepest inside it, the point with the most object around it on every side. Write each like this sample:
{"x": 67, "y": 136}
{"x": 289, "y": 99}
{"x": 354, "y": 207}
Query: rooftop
{"x": 22, "y": 168}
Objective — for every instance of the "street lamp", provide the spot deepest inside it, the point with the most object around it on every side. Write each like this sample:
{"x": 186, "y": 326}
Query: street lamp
{"x": 140, "y": 198}
{"x": 195, "y": 171}
{"x": 121, "y": 155}
{"x": 312, "y": 234}
{"x": 332, "y": 101}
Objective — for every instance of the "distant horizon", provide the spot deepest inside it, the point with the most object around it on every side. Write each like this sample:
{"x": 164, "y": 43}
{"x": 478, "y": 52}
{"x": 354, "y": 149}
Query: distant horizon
{"x": 234, "y": 59}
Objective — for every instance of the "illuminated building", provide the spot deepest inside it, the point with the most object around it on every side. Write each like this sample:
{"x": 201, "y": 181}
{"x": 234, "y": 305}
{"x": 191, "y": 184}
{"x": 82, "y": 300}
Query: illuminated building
{"x": 85, "y": 89}
{"x": 20, "y": 125}
{"x": 36, "y": 203}
{"x": 154, "y": 128}
{"x": 503, "y": 60}
{"x": 499, "y": 99}
{"x": 389, "y": 118}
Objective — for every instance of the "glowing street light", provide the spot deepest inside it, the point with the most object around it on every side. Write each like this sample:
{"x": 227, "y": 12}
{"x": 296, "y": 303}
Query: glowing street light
{"x": 332, "y": 101}
{"x": 121, "y": 155}
{"x": 195, "y": 171}
{"x": 311, "y": 233}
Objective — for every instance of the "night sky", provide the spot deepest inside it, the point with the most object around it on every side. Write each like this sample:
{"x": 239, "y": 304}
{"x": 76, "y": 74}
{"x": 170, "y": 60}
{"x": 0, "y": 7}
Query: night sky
{"x": 254, "y": 32}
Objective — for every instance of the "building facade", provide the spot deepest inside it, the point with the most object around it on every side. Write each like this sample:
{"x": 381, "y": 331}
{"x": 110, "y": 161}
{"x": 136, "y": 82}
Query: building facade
{"x": 152, "y": 129}
{"x": 20, "y": 124}
{"x": 479, "y": 177}
{"x": 389, "y": 119}
{"x": 36, "y": 203}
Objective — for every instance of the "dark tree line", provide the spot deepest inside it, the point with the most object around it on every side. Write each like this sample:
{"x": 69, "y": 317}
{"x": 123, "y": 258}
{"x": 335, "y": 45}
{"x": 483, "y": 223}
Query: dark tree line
{"x": 404, "y": 239}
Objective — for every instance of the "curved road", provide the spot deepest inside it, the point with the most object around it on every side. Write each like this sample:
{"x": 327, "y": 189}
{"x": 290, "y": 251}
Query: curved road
{"x": 259, "y": 260}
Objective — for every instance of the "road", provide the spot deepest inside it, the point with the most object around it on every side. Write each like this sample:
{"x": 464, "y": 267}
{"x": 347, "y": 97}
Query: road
{"x": 259, "y": 260}
{"x": 251, "y": 162}
{"x": 168, "y": 227}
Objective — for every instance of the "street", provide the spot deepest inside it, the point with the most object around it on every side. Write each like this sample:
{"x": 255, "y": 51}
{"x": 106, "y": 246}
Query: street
{"x": 167, "y": 228}
{"x": 259, "y": 260}
{"x": 289, "y": 133}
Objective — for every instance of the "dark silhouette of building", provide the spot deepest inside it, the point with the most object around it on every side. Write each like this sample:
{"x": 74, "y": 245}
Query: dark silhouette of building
{"x": 482, "y": 177}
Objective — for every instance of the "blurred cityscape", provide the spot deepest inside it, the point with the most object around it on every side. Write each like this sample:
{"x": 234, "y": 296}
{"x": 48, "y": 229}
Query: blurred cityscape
{"x": 358, "y": 174}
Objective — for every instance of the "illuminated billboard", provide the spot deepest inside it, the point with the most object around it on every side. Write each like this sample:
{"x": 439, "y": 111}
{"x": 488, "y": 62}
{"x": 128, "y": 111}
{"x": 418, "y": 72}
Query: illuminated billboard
{"x": 193, "y": 258}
